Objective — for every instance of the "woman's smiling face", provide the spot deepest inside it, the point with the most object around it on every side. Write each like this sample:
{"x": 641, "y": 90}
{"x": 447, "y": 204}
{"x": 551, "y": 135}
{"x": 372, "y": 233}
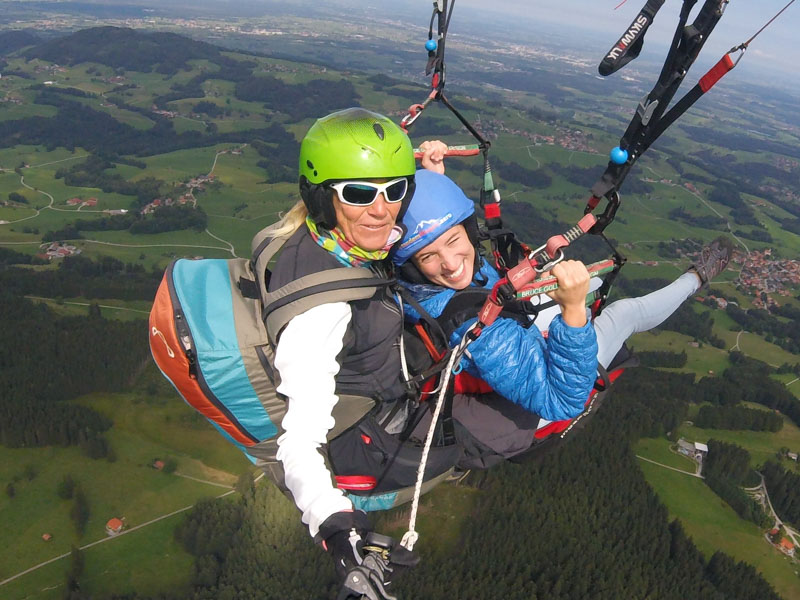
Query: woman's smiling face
{"x": 369, "y": 226}
{"x": 448, "y": 261}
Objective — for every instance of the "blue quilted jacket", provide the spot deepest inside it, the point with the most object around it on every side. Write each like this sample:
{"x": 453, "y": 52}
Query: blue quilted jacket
{"x": 551, "y": 377}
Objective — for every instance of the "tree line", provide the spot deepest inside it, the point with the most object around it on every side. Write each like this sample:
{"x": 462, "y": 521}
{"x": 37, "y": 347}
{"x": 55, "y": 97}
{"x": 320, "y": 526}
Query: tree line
{"x": 739, "y": 418}
{"x": 78, "y": 276}
{"x": 747, "y": 380}
{"x": 784, "y": 491}
{"x": 47, "y": 359}
{"x": 125, "y": 48}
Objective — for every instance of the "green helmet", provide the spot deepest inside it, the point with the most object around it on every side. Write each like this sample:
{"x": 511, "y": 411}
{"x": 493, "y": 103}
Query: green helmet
{"x": 350, "y": 144}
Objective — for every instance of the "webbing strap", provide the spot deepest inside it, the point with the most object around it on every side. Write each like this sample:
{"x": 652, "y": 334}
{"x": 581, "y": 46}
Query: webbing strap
{"x": 630, "y": 43}
{"x": 342, "y": 284}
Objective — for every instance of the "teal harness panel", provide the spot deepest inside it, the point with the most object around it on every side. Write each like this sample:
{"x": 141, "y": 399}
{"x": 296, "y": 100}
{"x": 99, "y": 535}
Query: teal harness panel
{"x": 204, "y": 292}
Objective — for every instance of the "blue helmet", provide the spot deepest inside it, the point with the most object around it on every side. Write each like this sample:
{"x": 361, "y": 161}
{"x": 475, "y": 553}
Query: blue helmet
{"x": 438, "y": 204}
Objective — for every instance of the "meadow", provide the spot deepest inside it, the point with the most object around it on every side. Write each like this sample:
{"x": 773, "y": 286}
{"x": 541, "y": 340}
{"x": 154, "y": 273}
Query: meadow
{"x": 714, "y": 526}
{"x": 149, "y": 423}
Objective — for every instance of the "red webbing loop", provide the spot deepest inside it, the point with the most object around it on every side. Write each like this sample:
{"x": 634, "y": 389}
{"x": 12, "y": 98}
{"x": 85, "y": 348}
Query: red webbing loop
{"x": 716, "y": 73}
{"x": 468, "y": 150}
{"x": 523, "y": 273}
{"x": 488, "y": 314}
{"x": 557, "y": 242}
{"x": 586, "y": 223}
{"x": 428, "y": 343}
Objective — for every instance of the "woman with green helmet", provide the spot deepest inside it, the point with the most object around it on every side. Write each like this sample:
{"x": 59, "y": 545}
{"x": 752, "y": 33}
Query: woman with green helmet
{"x": 356, "y": 178}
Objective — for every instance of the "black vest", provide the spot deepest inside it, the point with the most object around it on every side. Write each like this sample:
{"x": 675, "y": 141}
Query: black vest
{"x": 370, "y": 358}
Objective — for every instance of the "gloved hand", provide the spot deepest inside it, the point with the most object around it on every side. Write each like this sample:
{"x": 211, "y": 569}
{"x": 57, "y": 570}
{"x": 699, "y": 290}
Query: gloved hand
{"x": 342, "y": 536}
{"x": 347, "y": 535}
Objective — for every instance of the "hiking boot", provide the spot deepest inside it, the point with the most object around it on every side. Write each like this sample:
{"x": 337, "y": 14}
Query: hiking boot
{"x": 713, "y": 259}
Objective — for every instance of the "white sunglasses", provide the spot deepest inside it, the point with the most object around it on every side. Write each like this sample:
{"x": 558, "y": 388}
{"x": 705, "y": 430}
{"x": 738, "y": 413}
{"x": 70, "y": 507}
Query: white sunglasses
{"x": 364, "y": 193}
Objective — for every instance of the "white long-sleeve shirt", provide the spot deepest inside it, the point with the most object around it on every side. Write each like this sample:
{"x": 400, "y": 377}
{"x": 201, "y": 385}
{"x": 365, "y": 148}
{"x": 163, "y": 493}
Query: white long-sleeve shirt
{"x": 306, "y": 360}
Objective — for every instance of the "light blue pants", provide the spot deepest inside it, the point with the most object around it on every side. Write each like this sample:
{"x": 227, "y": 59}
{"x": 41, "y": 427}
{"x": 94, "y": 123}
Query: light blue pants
{"x": 621, "y": 319}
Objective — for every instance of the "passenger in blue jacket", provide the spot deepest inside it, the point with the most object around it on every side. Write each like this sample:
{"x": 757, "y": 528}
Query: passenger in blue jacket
{"x": 534, "y": 379}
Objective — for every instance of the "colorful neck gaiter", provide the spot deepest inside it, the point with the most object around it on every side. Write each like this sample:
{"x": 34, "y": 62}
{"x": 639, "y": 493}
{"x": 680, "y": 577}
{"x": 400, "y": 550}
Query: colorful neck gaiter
{"x": 345, "y": 252}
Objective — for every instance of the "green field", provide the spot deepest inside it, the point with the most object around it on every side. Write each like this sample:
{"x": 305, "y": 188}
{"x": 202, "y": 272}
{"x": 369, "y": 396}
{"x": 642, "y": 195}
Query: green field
{"x": 147, "y": 561}
{"x": 146, "y": 427}
{"x": 714, "y": 526}
{"x": 660, "y": 451}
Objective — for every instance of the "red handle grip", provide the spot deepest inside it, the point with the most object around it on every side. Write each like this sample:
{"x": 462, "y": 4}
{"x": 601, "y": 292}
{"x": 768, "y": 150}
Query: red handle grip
{"x": 548, "y": 284}
{"x": 716, "y": 73}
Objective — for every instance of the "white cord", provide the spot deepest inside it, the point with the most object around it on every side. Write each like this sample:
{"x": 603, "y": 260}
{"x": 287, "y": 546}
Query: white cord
{"x": 411, "y": 536}
{"x": 403, "y": 362}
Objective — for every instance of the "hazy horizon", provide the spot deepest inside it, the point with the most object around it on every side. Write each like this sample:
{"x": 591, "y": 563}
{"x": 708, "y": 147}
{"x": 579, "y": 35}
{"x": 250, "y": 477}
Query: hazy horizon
{"x": 587, "y": 26}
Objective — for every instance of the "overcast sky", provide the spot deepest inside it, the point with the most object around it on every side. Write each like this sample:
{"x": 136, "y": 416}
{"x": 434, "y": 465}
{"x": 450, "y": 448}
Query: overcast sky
{"x": 776, "y": 45}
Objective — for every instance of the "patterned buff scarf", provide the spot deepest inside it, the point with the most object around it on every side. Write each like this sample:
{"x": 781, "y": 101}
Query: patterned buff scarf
{"x": 345, "y": 252}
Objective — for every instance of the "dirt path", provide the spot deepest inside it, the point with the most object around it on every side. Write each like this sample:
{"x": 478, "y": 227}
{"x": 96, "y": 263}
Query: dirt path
{"x": 695, "y": 474}
{"x": 144, "y": 312}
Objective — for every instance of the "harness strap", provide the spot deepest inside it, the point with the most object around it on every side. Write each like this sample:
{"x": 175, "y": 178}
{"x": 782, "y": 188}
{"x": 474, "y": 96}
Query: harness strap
{"x": 342, "y": 284}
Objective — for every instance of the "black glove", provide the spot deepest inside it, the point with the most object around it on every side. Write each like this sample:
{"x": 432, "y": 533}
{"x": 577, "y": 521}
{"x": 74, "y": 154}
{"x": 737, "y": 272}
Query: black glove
{"x": 348, "y": 536}
{"x": 342, "y": 536}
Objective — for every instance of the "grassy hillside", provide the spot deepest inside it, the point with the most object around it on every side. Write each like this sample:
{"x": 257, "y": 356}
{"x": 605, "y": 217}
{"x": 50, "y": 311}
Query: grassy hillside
{"x": 713, "y": 526}
{"x": 148, "y": 424}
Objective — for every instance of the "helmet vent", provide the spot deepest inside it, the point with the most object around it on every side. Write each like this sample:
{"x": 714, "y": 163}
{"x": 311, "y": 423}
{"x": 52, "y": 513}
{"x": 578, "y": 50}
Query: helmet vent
{"x": 379, "y": 131}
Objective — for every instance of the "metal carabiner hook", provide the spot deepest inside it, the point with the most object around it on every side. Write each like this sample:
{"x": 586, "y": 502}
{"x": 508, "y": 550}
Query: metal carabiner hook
{"x": 551, "y": 263}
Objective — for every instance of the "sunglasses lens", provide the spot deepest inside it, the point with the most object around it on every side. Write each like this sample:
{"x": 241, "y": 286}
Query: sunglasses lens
{"x": 356, "y": 193}
{"x": 397, "y": 191}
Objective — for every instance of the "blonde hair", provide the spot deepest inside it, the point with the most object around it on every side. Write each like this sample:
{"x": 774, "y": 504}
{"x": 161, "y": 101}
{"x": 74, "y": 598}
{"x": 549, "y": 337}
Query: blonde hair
{"x": 290, "y": 222}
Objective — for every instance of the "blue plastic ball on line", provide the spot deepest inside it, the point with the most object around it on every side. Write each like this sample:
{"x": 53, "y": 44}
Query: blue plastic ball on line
{"x": 431, "y": 45}
{"x": 619, "y": 156}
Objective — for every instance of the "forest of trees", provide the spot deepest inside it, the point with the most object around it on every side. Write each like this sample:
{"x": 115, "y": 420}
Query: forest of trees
{"x": 782, "y": 332}
{"x": 739, "y": 418}
{"x": 704, "y": 221}
{"x": 784, "y": 491}
{"x": 747, "y": 380}
{"x": 662, "y": 358}
{"x": 78, "y": 276}
{"x": 125, "y": 48}
{"x": 47, "y": 359}
{"x": 279, "y": 156}
{"x": 727, "y": 470}
{"x": 509, "y": 171}
{"x": 98, "y": 172}
{"x": 300, "y": 101}
{"x": 728, "y": 195}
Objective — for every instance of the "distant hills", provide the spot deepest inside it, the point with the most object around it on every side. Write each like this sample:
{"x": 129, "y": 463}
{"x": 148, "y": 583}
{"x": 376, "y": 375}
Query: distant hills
{"x": 11, "y": 41}
{"x": 125, "y": 48}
